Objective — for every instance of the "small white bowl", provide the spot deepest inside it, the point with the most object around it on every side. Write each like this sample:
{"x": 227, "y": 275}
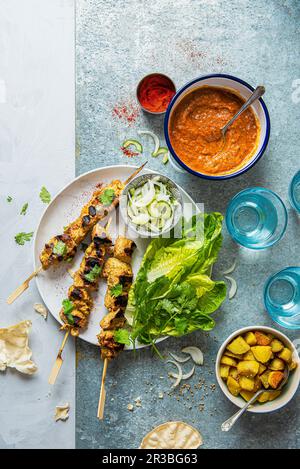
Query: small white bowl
{"x": 140, "y": 180}
{"x": 289, "y": 389}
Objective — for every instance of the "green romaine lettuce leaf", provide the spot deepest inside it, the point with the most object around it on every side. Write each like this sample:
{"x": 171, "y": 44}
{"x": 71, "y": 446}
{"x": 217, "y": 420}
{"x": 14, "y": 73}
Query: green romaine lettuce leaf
{"x": 173, "y": 293}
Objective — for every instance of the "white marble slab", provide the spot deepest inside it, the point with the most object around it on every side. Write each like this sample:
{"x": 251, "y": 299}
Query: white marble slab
{"x": 37, "y": 147}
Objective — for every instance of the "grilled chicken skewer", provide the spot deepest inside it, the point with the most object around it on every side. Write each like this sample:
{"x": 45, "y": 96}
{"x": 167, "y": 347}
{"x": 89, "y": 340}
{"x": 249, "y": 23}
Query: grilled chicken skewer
{"x": 118, "y": 273}
{"x": 77, "y": 307}
{"x": 63, "y": 247}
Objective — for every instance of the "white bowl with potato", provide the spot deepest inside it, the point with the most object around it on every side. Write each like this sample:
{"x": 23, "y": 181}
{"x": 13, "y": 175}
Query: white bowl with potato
{"x": 271, "y": 351}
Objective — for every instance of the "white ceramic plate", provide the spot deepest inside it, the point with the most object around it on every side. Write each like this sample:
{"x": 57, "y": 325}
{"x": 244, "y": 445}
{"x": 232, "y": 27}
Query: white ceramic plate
{"x": 53, "y": 284}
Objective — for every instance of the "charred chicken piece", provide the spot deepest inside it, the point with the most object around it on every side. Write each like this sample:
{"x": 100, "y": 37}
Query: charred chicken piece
{"x": 75, "y": 313}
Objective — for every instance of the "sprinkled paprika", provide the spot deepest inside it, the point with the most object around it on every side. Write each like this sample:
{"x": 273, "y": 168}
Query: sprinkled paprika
{"x": 155, "y": 92}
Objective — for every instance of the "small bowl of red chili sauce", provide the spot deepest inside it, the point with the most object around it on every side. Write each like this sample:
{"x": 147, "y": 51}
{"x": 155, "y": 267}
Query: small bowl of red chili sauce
{"x": 154, "y": 93}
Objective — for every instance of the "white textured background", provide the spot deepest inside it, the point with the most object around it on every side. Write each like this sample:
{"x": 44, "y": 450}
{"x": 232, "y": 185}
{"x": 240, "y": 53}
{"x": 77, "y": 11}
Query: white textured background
{"x": 36, "y": 148}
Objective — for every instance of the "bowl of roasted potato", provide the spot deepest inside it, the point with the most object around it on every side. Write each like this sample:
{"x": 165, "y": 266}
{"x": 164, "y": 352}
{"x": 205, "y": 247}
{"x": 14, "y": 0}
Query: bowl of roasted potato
{"x": 256, "y": 358}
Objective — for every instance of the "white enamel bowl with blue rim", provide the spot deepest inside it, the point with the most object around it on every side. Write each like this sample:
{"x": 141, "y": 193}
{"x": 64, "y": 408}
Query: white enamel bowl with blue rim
{"x": 241, "y": 88}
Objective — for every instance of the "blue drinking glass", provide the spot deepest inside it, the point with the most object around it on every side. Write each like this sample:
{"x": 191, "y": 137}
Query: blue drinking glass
{"x": 294, "y": 192}
{"x": 282, "y": 297}
{"x": 256, "y": 218}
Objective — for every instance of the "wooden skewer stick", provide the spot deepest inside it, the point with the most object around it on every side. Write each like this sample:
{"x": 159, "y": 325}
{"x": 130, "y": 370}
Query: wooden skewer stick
{"x": 23, "y": 287}
{"x": 25, "y": 284}
{"x": 137, "y": 171}
{"x": 100, "y": 413}
{"x": 59, "y": 361}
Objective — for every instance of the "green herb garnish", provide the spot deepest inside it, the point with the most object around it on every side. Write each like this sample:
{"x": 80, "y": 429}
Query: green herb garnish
{"x": 24, "y": 209}
{"x": 45, "y": 195}
{"x": 93, "y": 274}
{"x": 107, "y": 197}
{"x": 122, "y": 336}
{"x": 68, "y": 307}
{"x": 9, "y": 198}
{"x": 116, "y": 290}
{"x": 60, "y": 248}
{"x": 20, "y": 238}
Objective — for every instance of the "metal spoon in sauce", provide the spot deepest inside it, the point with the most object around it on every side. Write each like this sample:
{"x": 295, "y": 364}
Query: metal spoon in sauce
{"x": 257, "y": 93}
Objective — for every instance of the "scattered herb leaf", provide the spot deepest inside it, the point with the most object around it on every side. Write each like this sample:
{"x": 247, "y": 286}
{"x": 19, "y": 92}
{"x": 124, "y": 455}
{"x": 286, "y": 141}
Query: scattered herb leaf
{"x": 24, "y": 209}
{"x": 68, "y": 307}
{"x": 20, "y": 238}
{"x": 107, "y": 197}
{"x": 45, "y": 195}
{"x": 116, "y": 290}
{"x": 60, "y": 248}
{"x": 122, "y": 336}
{"x": 93, "y": 274}
{"x": 9, "y": 198}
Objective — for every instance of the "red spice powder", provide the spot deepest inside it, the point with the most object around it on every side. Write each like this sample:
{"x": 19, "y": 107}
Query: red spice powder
{"x": 155, "y": 92}
{"x": 127, "y": 112}
{"x": 129, "y": 153}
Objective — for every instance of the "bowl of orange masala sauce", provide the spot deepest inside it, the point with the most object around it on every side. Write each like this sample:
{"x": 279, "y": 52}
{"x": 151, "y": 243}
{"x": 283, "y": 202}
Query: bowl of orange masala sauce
{"x": 199, "y": 110}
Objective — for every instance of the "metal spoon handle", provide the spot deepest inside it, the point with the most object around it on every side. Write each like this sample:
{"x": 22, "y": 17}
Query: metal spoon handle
{"x": 257, "y": 93}
{"x": 228, "y": 424}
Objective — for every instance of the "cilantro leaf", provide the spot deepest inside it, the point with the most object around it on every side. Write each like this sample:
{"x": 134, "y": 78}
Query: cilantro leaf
{"x": 122, "y": 336}
{"x": 45, "y": 195}
{"x": 107, "y": 197}
{"x": 116, "y": 290}
{"x": 60, "y": 248}
{"x": 24, "y": 209}
{"x": 8, "y": 198}
{"x": 68, "y": 307}
{"x": 20, "y": 238}
{"x": 93, "y": 274}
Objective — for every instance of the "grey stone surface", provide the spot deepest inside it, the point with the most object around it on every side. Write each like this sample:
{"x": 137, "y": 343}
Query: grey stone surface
{"x": 117, "y": 43}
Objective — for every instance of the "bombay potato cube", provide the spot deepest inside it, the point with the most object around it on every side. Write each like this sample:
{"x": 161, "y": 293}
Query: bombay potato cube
{"x": 262, "y": 353}
{"x": 262, "y": 368}
{"x": 233, "y": 386}
{"x": 262, "y": 339}
{"x": 257, "y": 384}
{"x": 232, "y": 355}
{"x": 275, "y": 378}
{"x": 250, "y": 338}
{"x": 248, "y": 368}
{"x": 273, "y": 395}
{"x": 228, "y": 361}
{"x": 238, "y": 346}
{"x": 264, "y": 378}
{"x": 292, "y": 366}
{"x": 285, "y": 355}
{"x": 246, "y": 383}
{"x": 248, "y": 356}
{"x": 264, "y": 397}
{"x": 247, "y": 395}
{"x": 276, "y": 345}
{"x": 276, "y": 364}
{"x": 233, "y": 373}
{"x": 224, "y": 371}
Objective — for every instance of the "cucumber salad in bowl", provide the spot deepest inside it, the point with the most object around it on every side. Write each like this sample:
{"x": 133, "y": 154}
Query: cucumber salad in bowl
{"x": 151, "y": 205}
